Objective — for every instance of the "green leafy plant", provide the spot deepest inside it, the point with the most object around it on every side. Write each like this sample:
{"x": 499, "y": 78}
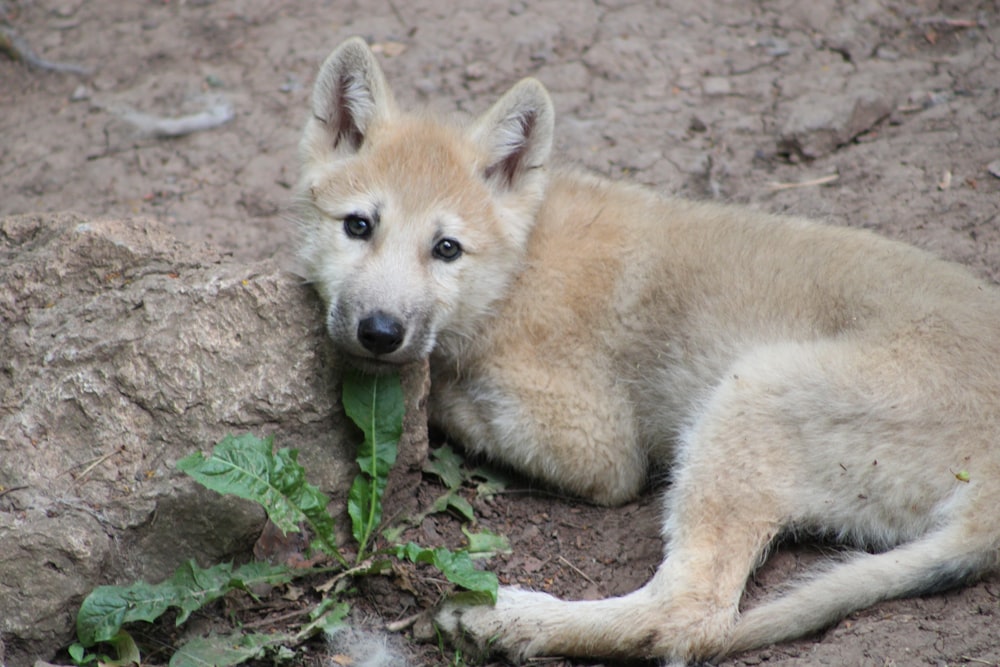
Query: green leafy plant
{"x": 247, "y": 467}
{"x": 250, "y": 468}
{"x": 378, "y": 412}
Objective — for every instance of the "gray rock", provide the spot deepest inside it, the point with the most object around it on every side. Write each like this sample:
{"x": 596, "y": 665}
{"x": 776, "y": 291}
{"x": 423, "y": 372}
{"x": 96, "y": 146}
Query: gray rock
{"x": 121, "y": 351}
{"x": 818, "y": 123}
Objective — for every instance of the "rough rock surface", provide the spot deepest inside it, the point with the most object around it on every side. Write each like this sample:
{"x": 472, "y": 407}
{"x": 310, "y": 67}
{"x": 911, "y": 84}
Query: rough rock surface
{"x": 124, "y": 351}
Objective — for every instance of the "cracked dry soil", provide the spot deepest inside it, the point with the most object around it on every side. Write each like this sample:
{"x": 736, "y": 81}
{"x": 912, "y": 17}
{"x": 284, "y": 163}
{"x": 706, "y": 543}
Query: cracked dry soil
{"x": 874, "y": 113}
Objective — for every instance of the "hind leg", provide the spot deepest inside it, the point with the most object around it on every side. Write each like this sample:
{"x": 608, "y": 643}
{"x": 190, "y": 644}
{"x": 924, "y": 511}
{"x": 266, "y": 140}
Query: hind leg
{"x": 732, "y": 492}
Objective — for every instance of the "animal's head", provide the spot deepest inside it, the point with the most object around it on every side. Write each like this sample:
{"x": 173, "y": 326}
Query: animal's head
{"x": 412, "y": 228}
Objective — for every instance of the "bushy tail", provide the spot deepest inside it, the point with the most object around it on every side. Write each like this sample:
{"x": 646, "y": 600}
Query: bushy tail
{"x": 937, "y": 562}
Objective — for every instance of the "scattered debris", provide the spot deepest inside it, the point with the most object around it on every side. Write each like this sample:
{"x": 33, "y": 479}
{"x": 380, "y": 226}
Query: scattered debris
{"x": 80, "y": 94}
{"x": 389, "y": 49}
{"x": 14, "y": 46}
{"x": 887, "y": 54}
{"x": 949, "y": 22}
{"x": 577, "y": 570}
{"x": 351, "y": 647}
{"x": 217, "y": 114}
{"x": 773, "y": 46}
{"x": 921, "y": 100}
{"x": 822, "y": 180}
{"x": 292, "y": 84}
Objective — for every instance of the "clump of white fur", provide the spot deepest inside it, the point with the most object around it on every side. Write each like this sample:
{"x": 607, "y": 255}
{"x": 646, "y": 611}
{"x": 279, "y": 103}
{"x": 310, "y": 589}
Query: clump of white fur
{"x": 366, "y": 649}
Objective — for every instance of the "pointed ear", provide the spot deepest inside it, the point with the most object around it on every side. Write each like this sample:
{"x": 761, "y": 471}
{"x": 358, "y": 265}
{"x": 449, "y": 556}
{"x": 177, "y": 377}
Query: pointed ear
{"x": 350, "y": 92}
{"x": 516, "y": 134}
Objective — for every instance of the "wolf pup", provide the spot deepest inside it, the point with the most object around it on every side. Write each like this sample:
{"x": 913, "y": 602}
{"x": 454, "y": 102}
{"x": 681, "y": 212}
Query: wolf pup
{"x": 795, "y": 377}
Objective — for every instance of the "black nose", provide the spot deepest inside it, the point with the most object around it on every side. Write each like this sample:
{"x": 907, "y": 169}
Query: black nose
{"x": 381, "y": 333}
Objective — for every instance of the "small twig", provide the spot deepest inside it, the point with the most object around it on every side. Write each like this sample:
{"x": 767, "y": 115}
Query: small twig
{"x": 4, "y": 492}
{"x": 276, "y": 619}
{"x": 328, "y": 586}
{"x": 577, "y": 570}
{"x": 14, "y": 46}
{"x": 403, "y": 623}
{"x": 980, "y": 661}
{"x": 96, "y": 462}
{"x": 160, "y": 126}
{"x": 398, "y": 14}
{"x": 543, "y": 660}
{"x": 947, "y": 21}
{"x": 822, "y": 180}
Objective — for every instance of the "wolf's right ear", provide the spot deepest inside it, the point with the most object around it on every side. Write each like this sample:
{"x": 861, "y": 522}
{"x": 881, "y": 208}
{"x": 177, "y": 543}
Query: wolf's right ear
{"x": 350, "y": 92}
{"x": 516, "y": 134}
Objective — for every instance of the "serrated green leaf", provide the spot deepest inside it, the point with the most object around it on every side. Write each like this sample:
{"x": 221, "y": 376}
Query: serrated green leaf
{"x": 246, "y": 466}
{"x": 125, "y": 648}
{"x": 79, "y": 654}
{"x": 472, "y": 598}
{"x": 393, "y": 533}
{"x": 486, "y": 543}
{"x": 375, "y": 405}
{"x": 193, "y": 587}
{"x": 456, "y": 566}
{"x": 225, "y": 650}
{"x": 255, "y": 573}
{"x": 493, "y": 481}
{"x": 108, "y": 608}
{"x": 447, "y": 465}
{"x": 327, "y": 618}
{"x": 359, "y": 507}
{"x": 462, "y": 506}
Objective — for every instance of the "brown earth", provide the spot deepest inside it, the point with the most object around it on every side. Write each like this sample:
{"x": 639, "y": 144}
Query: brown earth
{"x": 876, "y": 113}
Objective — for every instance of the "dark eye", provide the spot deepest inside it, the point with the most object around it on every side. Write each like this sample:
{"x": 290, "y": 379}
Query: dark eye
{"x": 358, "y": 227}
{"x": 447, "y": 249}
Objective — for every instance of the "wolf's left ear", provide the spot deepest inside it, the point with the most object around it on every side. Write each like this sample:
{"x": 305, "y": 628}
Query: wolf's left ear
{"x": 516, "y": 133}
{"x": 350, "y": 92}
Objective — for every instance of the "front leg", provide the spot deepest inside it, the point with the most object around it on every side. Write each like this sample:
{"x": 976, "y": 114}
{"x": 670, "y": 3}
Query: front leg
{"x": 677, "y": 617}
{"x": 563, "y": 425}
{"x": 525, "y": 624}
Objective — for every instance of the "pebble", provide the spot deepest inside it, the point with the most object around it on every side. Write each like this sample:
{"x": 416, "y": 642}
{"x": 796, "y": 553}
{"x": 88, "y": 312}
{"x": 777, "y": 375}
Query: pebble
{"x": 994, "y": 168}
{"x": 885, "y": 53}
{"x": 476, "y": 70}
{"x": 715, "y": 85}
{"x": 80, "y": 93}
{"x": 775, "y": 46}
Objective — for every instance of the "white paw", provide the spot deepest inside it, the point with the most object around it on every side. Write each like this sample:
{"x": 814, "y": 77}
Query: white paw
{"x": 509, "y": 628}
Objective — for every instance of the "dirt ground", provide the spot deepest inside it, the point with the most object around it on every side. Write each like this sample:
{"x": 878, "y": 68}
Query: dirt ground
{"x": 874, "y": 113}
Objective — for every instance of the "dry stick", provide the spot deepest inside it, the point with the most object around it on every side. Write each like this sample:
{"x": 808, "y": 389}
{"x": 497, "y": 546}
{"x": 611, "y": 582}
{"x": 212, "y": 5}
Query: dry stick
{"x": 577, "y": 570}
{"x": 980, "y": 661}
{"x": 822, "y": 180}
{"x": 403, "y": 623}
{"x": 14, "y": 46}
{"x": 161, "y": 126}
{"x": 949, "y": 22}
{"x": 328, "y": 586}
{"x": 98, "y": 461}
{"x": 543, "y": 660}
{"x": 276, "y": 619}
{"x": 4, "y": 492}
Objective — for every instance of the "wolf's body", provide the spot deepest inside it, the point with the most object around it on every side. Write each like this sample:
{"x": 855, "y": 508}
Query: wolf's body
{"x": 793, "y": 376}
